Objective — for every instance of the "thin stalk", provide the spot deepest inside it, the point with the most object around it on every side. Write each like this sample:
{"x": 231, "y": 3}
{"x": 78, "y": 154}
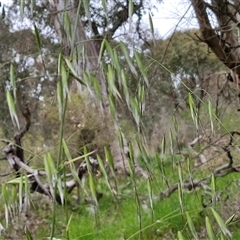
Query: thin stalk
{"x": 58, "y": 165}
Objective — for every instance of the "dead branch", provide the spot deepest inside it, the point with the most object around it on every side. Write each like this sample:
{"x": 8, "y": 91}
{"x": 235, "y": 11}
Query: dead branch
{"x": 13, "y": 151}
{"x": 190, "y": 185}
{"x": 14, "y": 154}
{"x": 219, "y": 172}
{"x": 18, "y": 136}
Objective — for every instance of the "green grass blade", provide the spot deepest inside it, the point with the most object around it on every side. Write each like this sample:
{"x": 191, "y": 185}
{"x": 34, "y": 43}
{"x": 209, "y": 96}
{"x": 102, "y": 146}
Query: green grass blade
{"x": 33, "y": 2}
{"x": 109, "y": 158}
{"x": 22, "y": 6}
{"x": 130, "y": 8}
{"x": 86, "y": 7}
{"x": 6, "y": 200}
{"x": 12, "y": 109}
{"x": 104, "y": 5}
{"x": 73, "y": 72}
{"x": 102, "y": 50}
{"x": 163, "y": 145}
{"x": 209, "y": 229}
{"x": 221, "y": 224}
{"x": 13, "y": 81}
{"x": 211, "y": 114}
{"x": 29, "y": 235}
{"x": 37, "y": 37}
{"x": 66, "y": 150}
{"x": 67, "y": 24}
{"x": 20, "y": 193}
{"x": 193, "y": 109}
{"x": 229, "y": 220}
{"x": 125, "y": 88}
{"x": 141, "y": 67}
{"x": 151, "y": 24}
{"x": 96, "y": 87}
{"x": 112, "y": 105}
{"x": 129, "y": 61}
{"x": 50, "y": 171}
{"x": 64, "y": 78}
{"x": 60, "y": 98}
{"x": 112, "y": 89}
{"x": 191, "y": 226}
{"x": 135, "y": 111}
{"x": 180, "y": 236}
{"x": 117, "y": 65}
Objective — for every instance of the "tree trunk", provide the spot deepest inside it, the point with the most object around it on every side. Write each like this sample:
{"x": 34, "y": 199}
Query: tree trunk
{"x": 224, "y": 39}
{"x": 85, "y": 53}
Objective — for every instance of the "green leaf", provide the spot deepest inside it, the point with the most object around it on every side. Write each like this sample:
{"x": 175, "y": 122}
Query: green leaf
{"x": 77, "y": 78}
{"x": 72, "y": 72}
{"x": 28, "y": 234}
{"x": 112, "y": 89}
{"x": 93, "y": 188}
{"x": 67, "y": 24}
{"x": 175, "y": 123}
{"x": 116, "y": 64}
{"x": 6, "y": 201}
{"x": 102, "y": 50}
{"x": 180, "y": 195}
{"x": 111, "y": 100}
{"x": 109, "y": 158}
{"x": 180, "y": 236}
{"x": 120, "y": 137}
{"x": 50, "y": 171}
{"x": 125, "y": 88}
{"x": 127, "y": 57}
{"x": 60, "y": 98}
{"x": 60, "y": 58}
{"x": 141, "y": 93}
{"x": 104, "y": 4}
{"x": 86, "y": 7}
{"x": 171, "y": 140}
{"x": 191, "y": 226}
{"x": 130, "y": 8}
{"x": 20, "y": 193}
{"x": 151, "y": 24}
{"x": 193, "y": 109}
{"x": 32, "y": 6}
{"x": 65, "y": 79}
{"x": 12, "y": 109}
{"x": 22, "y": 6}
{"x": 209, "y": 229}
{"x": 163, "y": 147}
{"x": 135, "y": 110}
{"x": 66, "y": 150}
{"x": 109, "y": 49}
{"x": 229, "y": 220}
{"x": 18, "y": 180}
{"x": 37, "y": 36}
{"x": 131, "y": 152}
{"x": 96, "y": 87}
{"x": 141, "y": 67}
{"x": 13, "y": 80}
{"x": 221, "y": 224}
{"x": 88, "y": 82}
{"x": 213, "y": 184}
{"x": 77, "y": 158}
